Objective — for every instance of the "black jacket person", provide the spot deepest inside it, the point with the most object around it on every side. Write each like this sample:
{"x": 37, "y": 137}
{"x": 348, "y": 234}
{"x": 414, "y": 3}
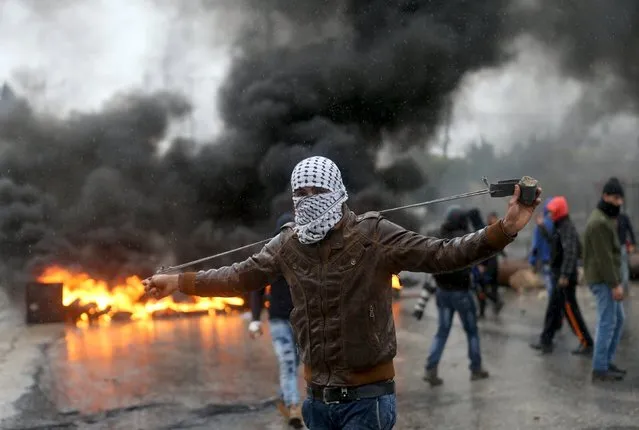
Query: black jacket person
{"x": 454, "y": 296}
{"x": 565, "y": 250}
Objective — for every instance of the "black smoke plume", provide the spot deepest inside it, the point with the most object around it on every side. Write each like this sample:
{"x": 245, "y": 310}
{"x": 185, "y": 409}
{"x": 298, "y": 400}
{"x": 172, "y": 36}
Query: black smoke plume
{"x": 94, "y": 191}
{"x": 596, "y": 40}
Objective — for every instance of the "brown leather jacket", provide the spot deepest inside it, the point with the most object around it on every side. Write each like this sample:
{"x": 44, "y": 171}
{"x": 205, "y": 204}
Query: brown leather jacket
{"x": 341, "y": 288}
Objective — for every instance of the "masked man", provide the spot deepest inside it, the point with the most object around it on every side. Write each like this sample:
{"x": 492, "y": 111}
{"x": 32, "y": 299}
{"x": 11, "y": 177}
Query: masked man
{"x": 339, "y": 267}
{"x": 602, "y": 260}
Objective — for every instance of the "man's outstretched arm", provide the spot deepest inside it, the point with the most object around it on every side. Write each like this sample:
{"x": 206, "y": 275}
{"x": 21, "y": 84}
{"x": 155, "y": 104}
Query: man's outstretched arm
{"x": 249, "y": 275}
{"x": 407, "y": 250}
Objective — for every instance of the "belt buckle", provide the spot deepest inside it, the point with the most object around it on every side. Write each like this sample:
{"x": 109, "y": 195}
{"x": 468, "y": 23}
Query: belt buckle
{"x": 343, "y": 392}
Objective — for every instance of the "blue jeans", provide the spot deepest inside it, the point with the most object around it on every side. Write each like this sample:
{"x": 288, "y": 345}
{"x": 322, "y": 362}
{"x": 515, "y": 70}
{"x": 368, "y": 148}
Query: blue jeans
{"x": 449, "y": 302}
{"x": 625, "y": 268}
{"x": 610, "y": 317}
{"x": 288, "y": 359}
{"x": 378, "y": 413}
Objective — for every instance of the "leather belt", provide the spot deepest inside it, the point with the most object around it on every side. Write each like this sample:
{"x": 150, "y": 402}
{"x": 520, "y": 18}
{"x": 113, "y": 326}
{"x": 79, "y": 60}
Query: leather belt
{"x": 329, "y": 395}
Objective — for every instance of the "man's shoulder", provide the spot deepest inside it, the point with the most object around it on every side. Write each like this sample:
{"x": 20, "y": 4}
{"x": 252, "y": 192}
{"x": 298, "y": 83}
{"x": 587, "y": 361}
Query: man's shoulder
{"x": 597, "y": 221}
{"x": 365, "y": 223}
{"x": 285, "y": 234}
{"x": 368, "y": 216}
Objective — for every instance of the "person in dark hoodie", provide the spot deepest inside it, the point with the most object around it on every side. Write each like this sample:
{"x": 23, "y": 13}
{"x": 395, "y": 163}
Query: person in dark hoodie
{"x": 565, "y": 250}
{"x": 454, "y": 295}
{"x": 279, "y": 310}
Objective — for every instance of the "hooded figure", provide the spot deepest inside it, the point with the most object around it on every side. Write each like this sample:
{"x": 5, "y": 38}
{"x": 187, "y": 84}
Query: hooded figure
{"x": 455, "y": 225}
{"x": 565, "y": 250}
{"x": 454, "y": 296}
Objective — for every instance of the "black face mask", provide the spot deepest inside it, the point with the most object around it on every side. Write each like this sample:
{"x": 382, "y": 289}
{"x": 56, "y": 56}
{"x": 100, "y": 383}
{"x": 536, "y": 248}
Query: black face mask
{"x": 609, "y": 209}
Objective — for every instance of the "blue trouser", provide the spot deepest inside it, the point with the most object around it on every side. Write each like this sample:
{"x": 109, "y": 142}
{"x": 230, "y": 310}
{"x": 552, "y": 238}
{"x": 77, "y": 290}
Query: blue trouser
{"x": 288, "y": 359}
{"x": 449, "y": 302}
{"x": 610, "y": 317}
{"x": 625, "y": 269}
{"x": 377, "y": 413}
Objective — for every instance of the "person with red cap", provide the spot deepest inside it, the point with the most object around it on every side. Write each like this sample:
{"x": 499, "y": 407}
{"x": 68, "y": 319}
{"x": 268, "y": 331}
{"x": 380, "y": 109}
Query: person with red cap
{"x": 565, "y": 250}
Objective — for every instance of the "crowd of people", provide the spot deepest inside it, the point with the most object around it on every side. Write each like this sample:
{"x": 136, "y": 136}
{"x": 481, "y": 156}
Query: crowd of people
{"x": 556, "y": 254}
{"x": 330, "y": 298}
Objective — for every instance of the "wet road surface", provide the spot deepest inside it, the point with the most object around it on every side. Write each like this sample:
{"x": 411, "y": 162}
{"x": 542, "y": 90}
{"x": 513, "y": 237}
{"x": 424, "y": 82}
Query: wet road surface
{"x": 206, "y": 373}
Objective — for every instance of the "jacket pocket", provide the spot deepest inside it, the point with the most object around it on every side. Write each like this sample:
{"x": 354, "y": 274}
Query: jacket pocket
{"x": 350, "y": 258}
{"x": 362, "y": 342}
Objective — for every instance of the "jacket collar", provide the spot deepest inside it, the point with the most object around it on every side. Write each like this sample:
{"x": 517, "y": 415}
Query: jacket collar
{"x": 335, "y": 237}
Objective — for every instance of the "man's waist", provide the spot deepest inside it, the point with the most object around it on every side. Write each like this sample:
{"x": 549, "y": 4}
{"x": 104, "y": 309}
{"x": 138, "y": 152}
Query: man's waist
{"x": 330, "y": 394}
{"x": 379, "y": 373}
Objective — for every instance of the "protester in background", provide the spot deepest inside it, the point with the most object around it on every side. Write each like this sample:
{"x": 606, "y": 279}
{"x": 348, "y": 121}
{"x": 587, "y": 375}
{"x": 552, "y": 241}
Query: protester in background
{"x": 565, "y": 250}
{"x": 482, "y": 287}
{"x": 279, "y": 311}
{"x": 487, "y": 274}
{"x": 602, "y": 262}
{"x": 429, "y": 288}
{"x": 339, "y": 266}
{"x": 453, "y": 295}
{"x": 539, "y": 257}
{"x": 627, "y": 242}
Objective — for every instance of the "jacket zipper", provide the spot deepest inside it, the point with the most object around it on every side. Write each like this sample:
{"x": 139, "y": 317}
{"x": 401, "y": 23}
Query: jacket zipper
{"x": 321, "y": 294}
{"x": 321, "y": 288}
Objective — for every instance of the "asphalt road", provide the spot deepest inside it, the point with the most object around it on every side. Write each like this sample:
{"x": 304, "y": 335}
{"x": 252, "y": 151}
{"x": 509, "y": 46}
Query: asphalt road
{"x": 206, "y": 373}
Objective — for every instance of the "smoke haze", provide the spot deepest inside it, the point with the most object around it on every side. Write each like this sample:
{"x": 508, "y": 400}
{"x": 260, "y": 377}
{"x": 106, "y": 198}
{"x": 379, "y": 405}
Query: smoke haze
{"x": 145, "y": 132}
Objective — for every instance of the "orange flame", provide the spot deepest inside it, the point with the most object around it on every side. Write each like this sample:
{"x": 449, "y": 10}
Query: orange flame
{"x": 124, "y": 297}
{"x": 397, "y": 285}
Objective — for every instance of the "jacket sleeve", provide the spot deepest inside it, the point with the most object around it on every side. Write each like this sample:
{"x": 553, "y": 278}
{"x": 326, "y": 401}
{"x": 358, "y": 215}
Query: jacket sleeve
{"x": 570, "y": 246}
{"x": 631, "y": 232}
{"x": 251, "y": 274}
{"x": 534, "y": 250}
{"x": 543, "y": 231}
{"x": 407, "y": 250}
{"x": 601, "y": 240}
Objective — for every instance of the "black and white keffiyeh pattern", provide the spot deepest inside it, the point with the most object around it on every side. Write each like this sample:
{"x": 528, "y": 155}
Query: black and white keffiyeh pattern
{"x": 315, "y": 215}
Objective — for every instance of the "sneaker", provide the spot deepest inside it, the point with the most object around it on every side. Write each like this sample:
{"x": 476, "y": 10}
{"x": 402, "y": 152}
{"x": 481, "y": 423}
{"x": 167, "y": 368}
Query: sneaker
{"x": 295, "y": 417}
{"x": 583, "y": 350}
{"x": 476, "y": 375}
{"x": 545, "y": 348}
{"x": 432, "y": 378}
{"x": 615, "y": 369}
{"x": 605, "y": 376}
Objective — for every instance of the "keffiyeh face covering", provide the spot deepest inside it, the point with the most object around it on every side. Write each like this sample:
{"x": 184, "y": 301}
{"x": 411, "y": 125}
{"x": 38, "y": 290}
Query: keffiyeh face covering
{"x": 316, "y": 215}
